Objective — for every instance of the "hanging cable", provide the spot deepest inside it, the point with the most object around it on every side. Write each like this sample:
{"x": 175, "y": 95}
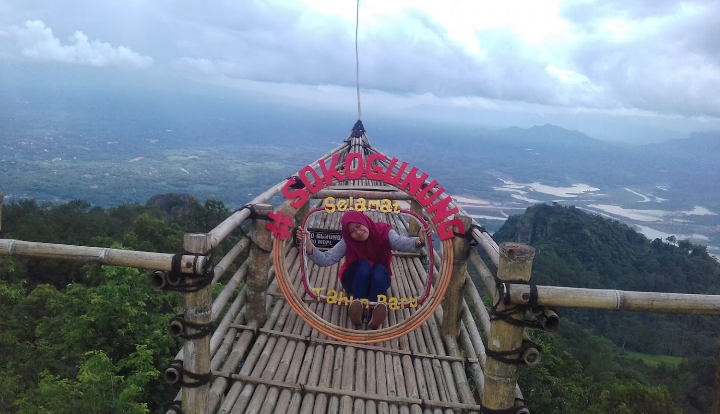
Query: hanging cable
{"x": 357, "y": 60}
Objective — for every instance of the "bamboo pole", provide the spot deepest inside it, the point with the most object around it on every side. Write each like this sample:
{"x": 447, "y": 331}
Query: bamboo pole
{"x": 452, "y": 303}
{"x": 715, "y": 408}
{"x": 197, "y": 307}
{"x": 222, "y": 230}
{"x": 230, "y": 257}
{"x": 619, "y": 300}
{"x": 99, "y": 255}
{"x": 259, "y": 260}
{"x": 414, "y": 226}
{"x": 501, "y": 378}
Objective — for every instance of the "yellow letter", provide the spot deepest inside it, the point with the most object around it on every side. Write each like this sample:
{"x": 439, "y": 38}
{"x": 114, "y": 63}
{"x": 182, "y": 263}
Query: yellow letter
{"x": 396, "y": 206}
{"x": 402, "y": 302}
{"x": 360, "y": 205}
{"x": 365, "y": 303}
{"x": 393, "y": 304}
{"x": 374, "y": 204}
{"x": 342, "y": 205}
{"x": 414, "y": 304}
{"x": 342, "y": 299}
{"x": 329, "y": 204}
{"x": 332, "y": 297}
{"x": 318, "y": 291}
{"x": 385, "y": 205}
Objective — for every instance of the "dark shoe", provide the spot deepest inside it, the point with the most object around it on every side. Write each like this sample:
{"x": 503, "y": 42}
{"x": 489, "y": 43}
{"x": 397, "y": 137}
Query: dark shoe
{"x": 378, "y": 316}
{"x": 355, "y": 310}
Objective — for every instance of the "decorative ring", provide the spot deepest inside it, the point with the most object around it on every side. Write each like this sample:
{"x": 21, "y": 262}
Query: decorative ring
{"x": 352, "y": 335}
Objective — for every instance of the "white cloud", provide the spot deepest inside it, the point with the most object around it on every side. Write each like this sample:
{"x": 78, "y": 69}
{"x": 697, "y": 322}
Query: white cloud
{"x": 38, "y": 42}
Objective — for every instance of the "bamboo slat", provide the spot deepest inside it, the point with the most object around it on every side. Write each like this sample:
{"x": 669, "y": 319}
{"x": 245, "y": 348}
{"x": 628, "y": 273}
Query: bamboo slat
{"x": 349, "y": 393}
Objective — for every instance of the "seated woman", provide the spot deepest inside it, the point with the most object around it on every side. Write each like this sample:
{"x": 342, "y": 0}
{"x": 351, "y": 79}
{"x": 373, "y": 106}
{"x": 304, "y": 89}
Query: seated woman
{"x": 366, "y": 246}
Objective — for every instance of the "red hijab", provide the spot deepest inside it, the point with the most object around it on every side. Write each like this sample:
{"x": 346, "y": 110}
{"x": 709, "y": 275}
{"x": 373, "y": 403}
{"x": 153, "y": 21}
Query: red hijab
{"x": 376, "y": 248}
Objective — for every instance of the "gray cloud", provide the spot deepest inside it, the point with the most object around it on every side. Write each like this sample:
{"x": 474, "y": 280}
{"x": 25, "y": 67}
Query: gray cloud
{"x": 38, "y": 42}
{"x": 670, "y": 65}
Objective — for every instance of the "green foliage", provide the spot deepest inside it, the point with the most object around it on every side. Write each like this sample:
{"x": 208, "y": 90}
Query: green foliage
{"x": 574, "y": 248}
{"x": 84, "y": 338}
{"x": 634, "y": 398}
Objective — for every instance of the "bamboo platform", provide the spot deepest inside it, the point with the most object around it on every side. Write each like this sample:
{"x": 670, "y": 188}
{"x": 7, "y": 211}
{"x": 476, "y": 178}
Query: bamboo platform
{"x": 291, "y": 368}
{"x": 286, "y": 366}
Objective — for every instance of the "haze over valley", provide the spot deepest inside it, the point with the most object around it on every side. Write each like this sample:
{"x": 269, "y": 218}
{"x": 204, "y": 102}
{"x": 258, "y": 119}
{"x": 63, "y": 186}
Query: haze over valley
{"x": 119, "y": 145}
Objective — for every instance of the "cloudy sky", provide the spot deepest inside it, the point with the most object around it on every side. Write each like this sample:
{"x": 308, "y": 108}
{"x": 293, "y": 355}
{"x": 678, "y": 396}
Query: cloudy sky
{"x": 614, "y": 68}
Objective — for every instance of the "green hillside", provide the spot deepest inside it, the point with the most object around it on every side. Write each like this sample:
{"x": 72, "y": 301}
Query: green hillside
{"x": 574, "y": 248}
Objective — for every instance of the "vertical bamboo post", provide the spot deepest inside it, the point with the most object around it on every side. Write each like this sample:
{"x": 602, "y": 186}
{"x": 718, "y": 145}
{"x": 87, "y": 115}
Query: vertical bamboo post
{"x": 301, "y": 214}
{"x": 715, "y": 409}
{"x": 452, "y": 302}
{"x": 501, "y": 378}
{"x": 414, "y": 228}
{"x": 259, "y": 265}
{"x": 1, "y": 205}
{"x": 198, "y": 310}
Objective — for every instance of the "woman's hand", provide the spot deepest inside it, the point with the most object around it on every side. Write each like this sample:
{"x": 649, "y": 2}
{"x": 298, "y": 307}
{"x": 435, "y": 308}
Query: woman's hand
{"x": 304, "y": 238}
{"x": 422, "y": 237}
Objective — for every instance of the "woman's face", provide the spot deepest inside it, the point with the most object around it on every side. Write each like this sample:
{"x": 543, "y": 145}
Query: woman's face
{"x": 358, "y": 232}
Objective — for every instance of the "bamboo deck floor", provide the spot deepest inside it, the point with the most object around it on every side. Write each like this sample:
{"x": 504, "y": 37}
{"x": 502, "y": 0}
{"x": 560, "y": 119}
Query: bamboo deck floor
{"x": 285, "y": 366}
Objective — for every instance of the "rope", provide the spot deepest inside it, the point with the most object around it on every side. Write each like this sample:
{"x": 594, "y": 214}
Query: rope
{"x": 196, "y": 281}
{"x": 511, "y": 410}
{"x": 176, "y": 406}
{"x": 200, "y": 379}
{"x": 204, "y": 329}
{"x": 254, "y": 215}
{"x": 357, "y": 60}
{"x": 502, "y": 356}
{"x": 505, "y": 315}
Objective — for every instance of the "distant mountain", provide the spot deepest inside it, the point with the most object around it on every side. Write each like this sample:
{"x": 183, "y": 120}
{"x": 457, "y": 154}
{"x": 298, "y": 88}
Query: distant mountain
{"x": 550, "y": 135}
{"x": 701, "y": 143}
